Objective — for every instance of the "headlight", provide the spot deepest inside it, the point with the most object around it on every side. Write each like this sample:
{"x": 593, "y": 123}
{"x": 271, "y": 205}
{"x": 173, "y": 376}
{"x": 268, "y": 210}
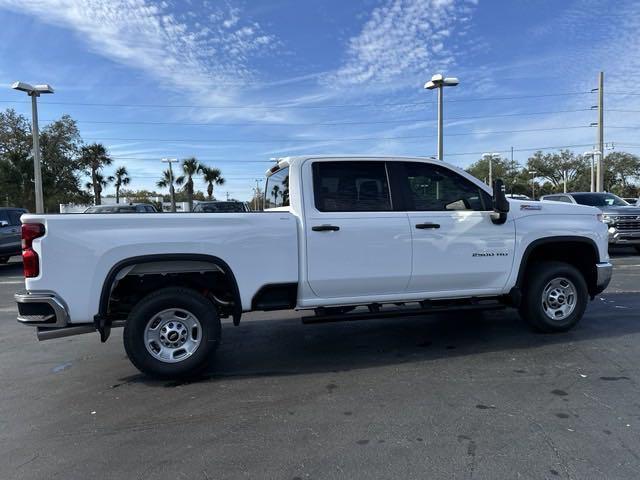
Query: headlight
{"x": 605, "y": 218}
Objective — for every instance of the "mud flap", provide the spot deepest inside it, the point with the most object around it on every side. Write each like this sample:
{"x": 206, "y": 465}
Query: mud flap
{"x": 103, "y": 326}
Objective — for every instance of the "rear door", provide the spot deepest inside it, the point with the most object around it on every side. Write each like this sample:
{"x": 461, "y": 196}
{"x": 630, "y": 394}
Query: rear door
{"x": 356, "y": 244}
{"x": 456, "y": 246}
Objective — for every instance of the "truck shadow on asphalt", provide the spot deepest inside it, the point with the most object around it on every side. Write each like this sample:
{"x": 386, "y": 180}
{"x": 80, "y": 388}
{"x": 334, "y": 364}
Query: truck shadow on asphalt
{"x": 265, "y": 348}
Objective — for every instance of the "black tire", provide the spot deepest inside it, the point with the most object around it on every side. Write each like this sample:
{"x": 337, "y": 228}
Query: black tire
{"x": 144, "y": 312}
{"x": 532, "y": 309}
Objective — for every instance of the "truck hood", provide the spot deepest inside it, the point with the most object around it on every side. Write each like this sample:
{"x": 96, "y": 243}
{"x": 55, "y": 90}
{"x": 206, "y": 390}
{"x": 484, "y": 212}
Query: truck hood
{"x": 525, "y": 207}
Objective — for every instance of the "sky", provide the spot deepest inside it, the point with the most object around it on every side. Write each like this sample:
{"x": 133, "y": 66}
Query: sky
{"x": 238, "y": 83}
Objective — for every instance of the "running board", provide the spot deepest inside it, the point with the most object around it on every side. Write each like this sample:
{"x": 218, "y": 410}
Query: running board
{"x": 401, "y": 312}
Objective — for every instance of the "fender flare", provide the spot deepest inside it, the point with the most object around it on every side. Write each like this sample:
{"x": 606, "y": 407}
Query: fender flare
{"x": 102, "y": 321}
{"x": 546, "y": 240}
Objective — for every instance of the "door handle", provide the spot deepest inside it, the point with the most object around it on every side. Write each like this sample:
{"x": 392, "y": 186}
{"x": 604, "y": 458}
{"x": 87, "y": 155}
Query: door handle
{"x": 423, "y": 226}
{"x": 325, "y": 228}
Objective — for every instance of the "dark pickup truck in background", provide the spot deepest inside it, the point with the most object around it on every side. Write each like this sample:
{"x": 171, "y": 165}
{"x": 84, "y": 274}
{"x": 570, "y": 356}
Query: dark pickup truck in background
{"x": 10, "y": 233}
{"x": 622, "y": 218}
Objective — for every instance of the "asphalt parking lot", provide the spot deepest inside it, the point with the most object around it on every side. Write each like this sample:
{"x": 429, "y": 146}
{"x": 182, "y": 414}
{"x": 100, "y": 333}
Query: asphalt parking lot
{"x": 452, "y": 396}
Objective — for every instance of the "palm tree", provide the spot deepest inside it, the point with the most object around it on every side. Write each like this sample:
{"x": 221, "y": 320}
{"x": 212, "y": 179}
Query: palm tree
{"x": 122, "y": 178}
{"x": 99, "y": 183}
{"x": 274, "y": 192}
{"x": 166, "y": 181}
{"x": 211, "y": 176}
{"x": 93, "y": 158}
{"x": 190, "y": 167}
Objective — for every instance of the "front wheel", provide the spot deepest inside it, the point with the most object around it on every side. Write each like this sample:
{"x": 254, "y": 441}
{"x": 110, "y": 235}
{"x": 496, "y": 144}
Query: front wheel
{"x": 555, "y": 297}
{"x": 171, "y": 333}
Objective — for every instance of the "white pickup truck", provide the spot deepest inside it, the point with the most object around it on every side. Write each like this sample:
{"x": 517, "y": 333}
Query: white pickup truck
{"x": 347, "y": 237}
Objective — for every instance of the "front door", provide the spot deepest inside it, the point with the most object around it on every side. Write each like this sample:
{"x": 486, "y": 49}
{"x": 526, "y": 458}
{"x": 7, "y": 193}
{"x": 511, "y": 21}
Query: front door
{"x": 456, "y": 246}
{"x": 356, "y": 244}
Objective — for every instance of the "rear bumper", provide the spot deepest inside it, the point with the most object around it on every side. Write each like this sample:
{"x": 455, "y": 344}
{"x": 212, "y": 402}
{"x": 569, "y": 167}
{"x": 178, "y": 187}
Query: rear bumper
{"x": 49, "y": 314}
{"x": 42, "y": 309}
{"x": 604, "y": 271}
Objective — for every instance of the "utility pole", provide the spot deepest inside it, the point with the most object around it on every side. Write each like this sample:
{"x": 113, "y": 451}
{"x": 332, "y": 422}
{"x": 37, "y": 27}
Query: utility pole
{"x": 600, "y": 170}
{"x": 172, "y": 190}
{"x": 34, "y": 92}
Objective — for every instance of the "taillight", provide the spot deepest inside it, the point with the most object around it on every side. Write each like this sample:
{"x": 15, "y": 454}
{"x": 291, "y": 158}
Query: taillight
{"x": 30, "y": 260}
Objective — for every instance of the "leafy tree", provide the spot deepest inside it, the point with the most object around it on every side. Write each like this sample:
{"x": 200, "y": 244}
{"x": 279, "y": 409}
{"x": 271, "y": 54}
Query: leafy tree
{"x": 211, "y": 176}
{"x": 93, "y": 159}
{"x": 552, "y": 167}
{"x": 515, "y": 179}
{"x": 621, "y": 170}
{"x": 59, "y": 143}
{"x": 121, "y": 179}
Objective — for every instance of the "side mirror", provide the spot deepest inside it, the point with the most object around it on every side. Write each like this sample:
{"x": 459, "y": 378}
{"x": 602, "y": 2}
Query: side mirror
{"x": 500, "y": 203}
{"x": 4, "y": 223}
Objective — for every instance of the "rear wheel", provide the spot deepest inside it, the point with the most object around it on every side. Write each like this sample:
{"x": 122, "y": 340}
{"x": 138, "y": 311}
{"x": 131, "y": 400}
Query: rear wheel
{"x": 555, "y": 297}
{"x": 171, "y": 333}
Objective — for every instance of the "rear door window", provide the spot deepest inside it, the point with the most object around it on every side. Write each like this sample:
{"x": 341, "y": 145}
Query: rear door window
{"x": 351, "y": 187}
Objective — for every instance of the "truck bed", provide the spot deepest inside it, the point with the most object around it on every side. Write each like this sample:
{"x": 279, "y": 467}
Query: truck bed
{"x": 260, "y": 248}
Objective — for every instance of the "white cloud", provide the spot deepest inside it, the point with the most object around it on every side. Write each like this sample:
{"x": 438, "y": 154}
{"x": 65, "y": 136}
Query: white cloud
{"x": 210, "y": 62}
{"x": 403, "y": 38}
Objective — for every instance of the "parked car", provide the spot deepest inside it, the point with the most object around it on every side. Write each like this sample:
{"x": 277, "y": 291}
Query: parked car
{"x": 622, "y": 219}
{"x": 10, "y": 233}
{"x": 518, "y": 196}
{"x": 122, "y": 208}
{"x": 341, "y": 233}
{"x": 216, "y": 206}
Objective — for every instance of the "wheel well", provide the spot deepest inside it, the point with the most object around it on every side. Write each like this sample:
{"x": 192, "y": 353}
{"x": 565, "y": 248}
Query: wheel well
{"x": 582, "y": 254}
{"x": 132, "y": 279}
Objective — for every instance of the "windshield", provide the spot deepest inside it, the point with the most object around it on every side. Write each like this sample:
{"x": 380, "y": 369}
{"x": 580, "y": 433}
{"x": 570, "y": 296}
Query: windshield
{"x": 600, "y": 200}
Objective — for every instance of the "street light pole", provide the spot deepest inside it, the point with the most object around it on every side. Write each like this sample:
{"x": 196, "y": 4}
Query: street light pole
{"x": 172, "y": 191}
{"x": 439, "y": 81}
{"x": 34, "y": 92}
{"x": 592, "y": 182}
{"x": 533, "y": 184}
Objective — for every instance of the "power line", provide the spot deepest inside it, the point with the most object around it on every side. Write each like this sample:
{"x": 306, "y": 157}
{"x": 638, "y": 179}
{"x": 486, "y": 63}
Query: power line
{"x": 294, "y": 106}
{"x": 116, "y": 157}
{"x": 319, "y": 124}
{"x": 313, "y": 140}
{"x": 528, "y": 149}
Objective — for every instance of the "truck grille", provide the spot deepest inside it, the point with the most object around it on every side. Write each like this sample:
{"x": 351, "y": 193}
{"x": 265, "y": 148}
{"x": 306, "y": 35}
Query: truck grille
{"x": 632, "y": 224}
